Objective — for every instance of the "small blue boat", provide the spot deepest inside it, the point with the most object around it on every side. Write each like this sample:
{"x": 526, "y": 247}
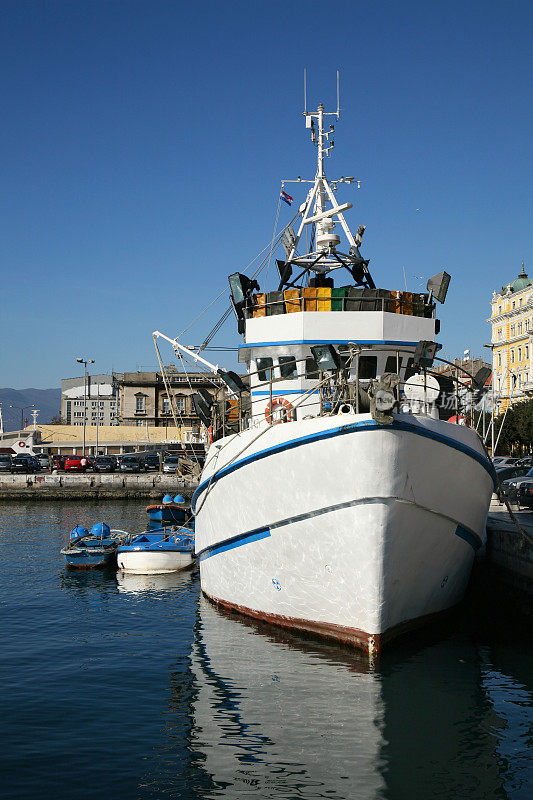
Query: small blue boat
{"x": 172, "y": 511}
{"x": 157, "y": 552}
{"x": 91, "y": 550}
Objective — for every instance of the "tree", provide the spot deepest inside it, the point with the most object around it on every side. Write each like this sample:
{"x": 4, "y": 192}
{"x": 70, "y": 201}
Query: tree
{"x": 517, "y": 432}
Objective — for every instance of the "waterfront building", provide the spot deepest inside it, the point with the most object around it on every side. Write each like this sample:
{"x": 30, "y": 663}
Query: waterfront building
{"x": 99, "y": 399}
{"x": 144, "y": 399}
{"x": 512, "y": 340}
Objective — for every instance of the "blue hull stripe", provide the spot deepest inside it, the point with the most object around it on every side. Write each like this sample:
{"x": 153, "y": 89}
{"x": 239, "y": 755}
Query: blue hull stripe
{"x": 467, "y": 535}
{"x": 331, "y": 433}
{"x": 234, "y": 541}
{"x": 391, "y": 342}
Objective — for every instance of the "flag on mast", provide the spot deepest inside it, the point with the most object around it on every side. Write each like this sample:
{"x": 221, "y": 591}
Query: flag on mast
{"x": 286, "y": 198}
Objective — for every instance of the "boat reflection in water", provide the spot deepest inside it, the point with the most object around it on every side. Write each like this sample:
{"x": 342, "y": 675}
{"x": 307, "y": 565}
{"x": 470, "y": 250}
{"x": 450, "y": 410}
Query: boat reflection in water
{"x": 275, "y": 716}
{"x": 136, "y": 584}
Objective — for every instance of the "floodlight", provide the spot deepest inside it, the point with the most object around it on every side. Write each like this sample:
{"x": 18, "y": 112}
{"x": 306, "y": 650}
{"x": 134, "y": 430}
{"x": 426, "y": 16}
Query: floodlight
{"x": 285, "y": 272}
{"x": 206, "y": 396}
{"x": 326, "y": 357}
{"x": 438, "y": 286}
{"x": 241, "y": 287}
{"x": 424, "y": 354}
{"x": 481, "y": 377}
{"x": 201, "y": 409}
{"x": 233, "y": 381}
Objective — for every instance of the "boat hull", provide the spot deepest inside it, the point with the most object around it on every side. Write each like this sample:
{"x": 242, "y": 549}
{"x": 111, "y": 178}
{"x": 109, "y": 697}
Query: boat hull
{"x": 353, "y": 532}
{"x": 89, "y": 558}
{"x": 153, "y": 562}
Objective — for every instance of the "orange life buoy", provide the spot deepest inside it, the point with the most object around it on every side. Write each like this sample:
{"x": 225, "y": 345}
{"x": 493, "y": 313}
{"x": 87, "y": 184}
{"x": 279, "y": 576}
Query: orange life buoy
{"x": 281, "y": 403}
{"x": 210, "y": 434}
{"x": 21, "y": 443}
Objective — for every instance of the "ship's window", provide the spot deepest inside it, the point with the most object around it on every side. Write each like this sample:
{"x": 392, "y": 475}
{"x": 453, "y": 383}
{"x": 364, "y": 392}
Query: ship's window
{"x": 263, "y": 368}
{"x": 391, "y": 365}
{"x": 287, "y": 367}
{"x": 311, "y": 369}
{"x": 368, "y": 366}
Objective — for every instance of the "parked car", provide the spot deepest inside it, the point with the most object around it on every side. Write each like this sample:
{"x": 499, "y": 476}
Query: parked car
{"x": 58, "y": 461}
{"x": 504, "y": 461}
{"x": 104, "y": 464}
{"x": 524, "y": 493}
{"x": 23, "y": 463}
{"x": 130, "y": 463}
{"x": 527, "y": 461}
{"x": 506, "y": 474}
{"x": 73, "y": 464}
{"x": 5, "y": 462}
{"x": 44, "y": 460}
{"x": 171, "y": 464}
{"x": 151, "y": 461}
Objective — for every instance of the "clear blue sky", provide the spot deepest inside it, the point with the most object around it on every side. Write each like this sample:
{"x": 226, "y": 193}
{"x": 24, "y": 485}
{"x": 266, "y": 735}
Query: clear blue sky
{"x": 142, "y": 146}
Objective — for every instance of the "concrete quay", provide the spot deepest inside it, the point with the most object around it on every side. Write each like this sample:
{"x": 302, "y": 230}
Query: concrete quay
{"x": 509, "y": 554}
{"x": 93, "y": 485}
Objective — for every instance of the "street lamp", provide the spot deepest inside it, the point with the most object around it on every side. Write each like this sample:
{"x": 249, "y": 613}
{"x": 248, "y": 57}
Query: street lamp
{"x": 84, "y": 361}
{"x": 22, "y": 409}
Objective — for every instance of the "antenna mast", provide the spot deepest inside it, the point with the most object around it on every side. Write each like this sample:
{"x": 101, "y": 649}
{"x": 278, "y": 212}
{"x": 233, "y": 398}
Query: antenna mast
{"x": 325, "y": 257}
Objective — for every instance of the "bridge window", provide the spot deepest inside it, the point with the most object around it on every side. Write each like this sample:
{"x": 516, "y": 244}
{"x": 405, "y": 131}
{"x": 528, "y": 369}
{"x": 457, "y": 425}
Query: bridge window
{"x": 391, "y": 365}
{"x": 287, "y": 367}
{"x": 368, "y": 366}
{"x": 264, "y": 368}
{"x": 311, "y": 368}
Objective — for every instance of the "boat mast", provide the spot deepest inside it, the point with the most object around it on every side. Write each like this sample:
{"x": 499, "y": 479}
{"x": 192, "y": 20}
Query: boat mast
{"x": 325, "y": 257}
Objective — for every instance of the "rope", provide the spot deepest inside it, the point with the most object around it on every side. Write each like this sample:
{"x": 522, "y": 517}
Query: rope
{"x": 274, "y": 232}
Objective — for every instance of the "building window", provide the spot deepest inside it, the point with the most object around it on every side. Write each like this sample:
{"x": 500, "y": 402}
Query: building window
{"x": 513, "y": 331}
{"x": 499, "y": 384}
{"x": 520, "y": 354}
{"x": 166, "y": 405}
{"x": 499, "y": 334}
{"x": 512, "y": 356}
{"x": 520, "y": 301}
{"x": 513, "y": 304}
{"x": 499, "y": 359}
{"x": 140, "y": 403}
{"x": 499, "y": 309}
{"x": 519, "y": 326}
{"x": 526, "y": 351}
{"x": 180, "y": 403}
{"x": 139, "y": 423}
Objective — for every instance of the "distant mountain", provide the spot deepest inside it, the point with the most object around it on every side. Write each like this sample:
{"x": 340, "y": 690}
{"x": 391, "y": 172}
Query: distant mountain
{"x": 48, "y": 401}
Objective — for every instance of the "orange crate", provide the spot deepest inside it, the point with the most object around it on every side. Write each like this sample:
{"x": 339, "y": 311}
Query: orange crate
{"x": 309, "y": 298}
{"x": 395, "y": 303}
{"x": 407, "y": 303}
{"x": 260, "y": 309}
{"x": 323, "y": 298}
{"x": 292, "y": 300}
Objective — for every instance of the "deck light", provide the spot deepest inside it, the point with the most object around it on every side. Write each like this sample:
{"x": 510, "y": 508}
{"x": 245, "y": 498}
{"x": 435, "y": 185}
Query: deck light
{"x": 233, "y": 381}
{"x": 425, "y": 353}
{"x": 326, "y": 357}
{"x": 202, "y": 402}
{"x": 438, "y": 286}
{"x": 481, "y": 377}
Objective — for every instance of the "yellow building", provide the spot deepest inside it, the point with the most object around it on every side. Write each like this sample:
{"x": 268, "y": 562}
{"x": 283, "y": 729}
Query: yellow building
{"x": 512, "y": 341}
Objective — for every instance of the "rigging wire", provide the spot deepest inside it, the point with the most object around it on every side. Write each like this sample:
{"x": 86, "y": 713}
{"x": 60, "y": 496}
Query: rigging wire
{"x": 274, "y": 232}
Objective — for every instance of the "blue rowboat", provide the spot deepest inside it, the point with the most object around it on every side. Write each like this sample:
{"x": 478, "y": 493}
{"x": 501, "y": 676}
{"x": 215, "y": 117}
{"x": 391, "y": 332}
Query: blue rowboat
{"x": 157, "y": 552}
{"x": 91, "y": 550}
{"x": 172, "y": 511}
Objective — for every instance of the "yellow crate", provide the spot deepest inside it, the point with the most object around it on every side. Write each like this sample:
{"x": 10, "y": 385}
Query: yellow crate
{"x": 309, "y": 298}
{"x": 292, "y": 300}
{"x": 323, "y": 302}
{"x": 260, "y": 309}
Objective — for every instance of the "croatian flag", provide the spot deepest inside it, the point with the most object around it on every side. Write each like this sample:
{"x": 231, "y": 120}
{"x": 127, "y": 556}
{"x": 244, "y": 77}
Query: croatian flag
{"x": 286, "y": 198}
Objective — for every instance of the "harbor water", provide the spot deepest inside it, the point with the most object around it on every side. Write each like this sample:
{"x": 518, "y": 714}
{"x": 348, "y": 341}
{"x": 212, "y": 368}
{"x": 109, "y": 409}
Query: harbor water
{"x": 136, "y": 687}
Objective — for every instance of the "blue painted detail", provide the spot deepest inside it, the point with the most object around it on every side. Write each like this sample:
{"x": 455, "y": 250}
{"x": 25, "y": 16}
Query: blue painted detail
{"x": 278, "y": 392}
{"x": 353, "y": 427}
{"x": 234, "y": 541}
{"x": 276, "y": 584}
{"x": 469, "y": 536}
{"x": 392, "y": 342}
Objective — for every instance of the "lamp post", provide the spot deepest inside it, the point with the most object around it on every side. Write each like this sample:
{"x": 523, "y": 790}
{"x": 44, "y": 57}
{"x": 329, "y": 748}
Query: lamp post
{"x": 84, "y": 361}
{"x": 22, "y": 409}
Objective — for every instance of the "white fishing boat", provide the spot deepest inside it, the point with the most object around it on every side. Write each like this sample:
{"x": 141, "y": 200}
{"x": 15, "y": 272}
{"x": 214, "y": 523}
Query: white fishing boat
{"x": 157, "y": 552}
{"x": 344, "y": 504}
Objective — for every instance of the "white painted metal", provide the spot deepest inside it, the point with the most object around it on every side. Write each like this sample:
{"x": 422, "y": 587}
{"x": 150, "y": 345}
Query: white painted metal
{"x": 153, "y": 562}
